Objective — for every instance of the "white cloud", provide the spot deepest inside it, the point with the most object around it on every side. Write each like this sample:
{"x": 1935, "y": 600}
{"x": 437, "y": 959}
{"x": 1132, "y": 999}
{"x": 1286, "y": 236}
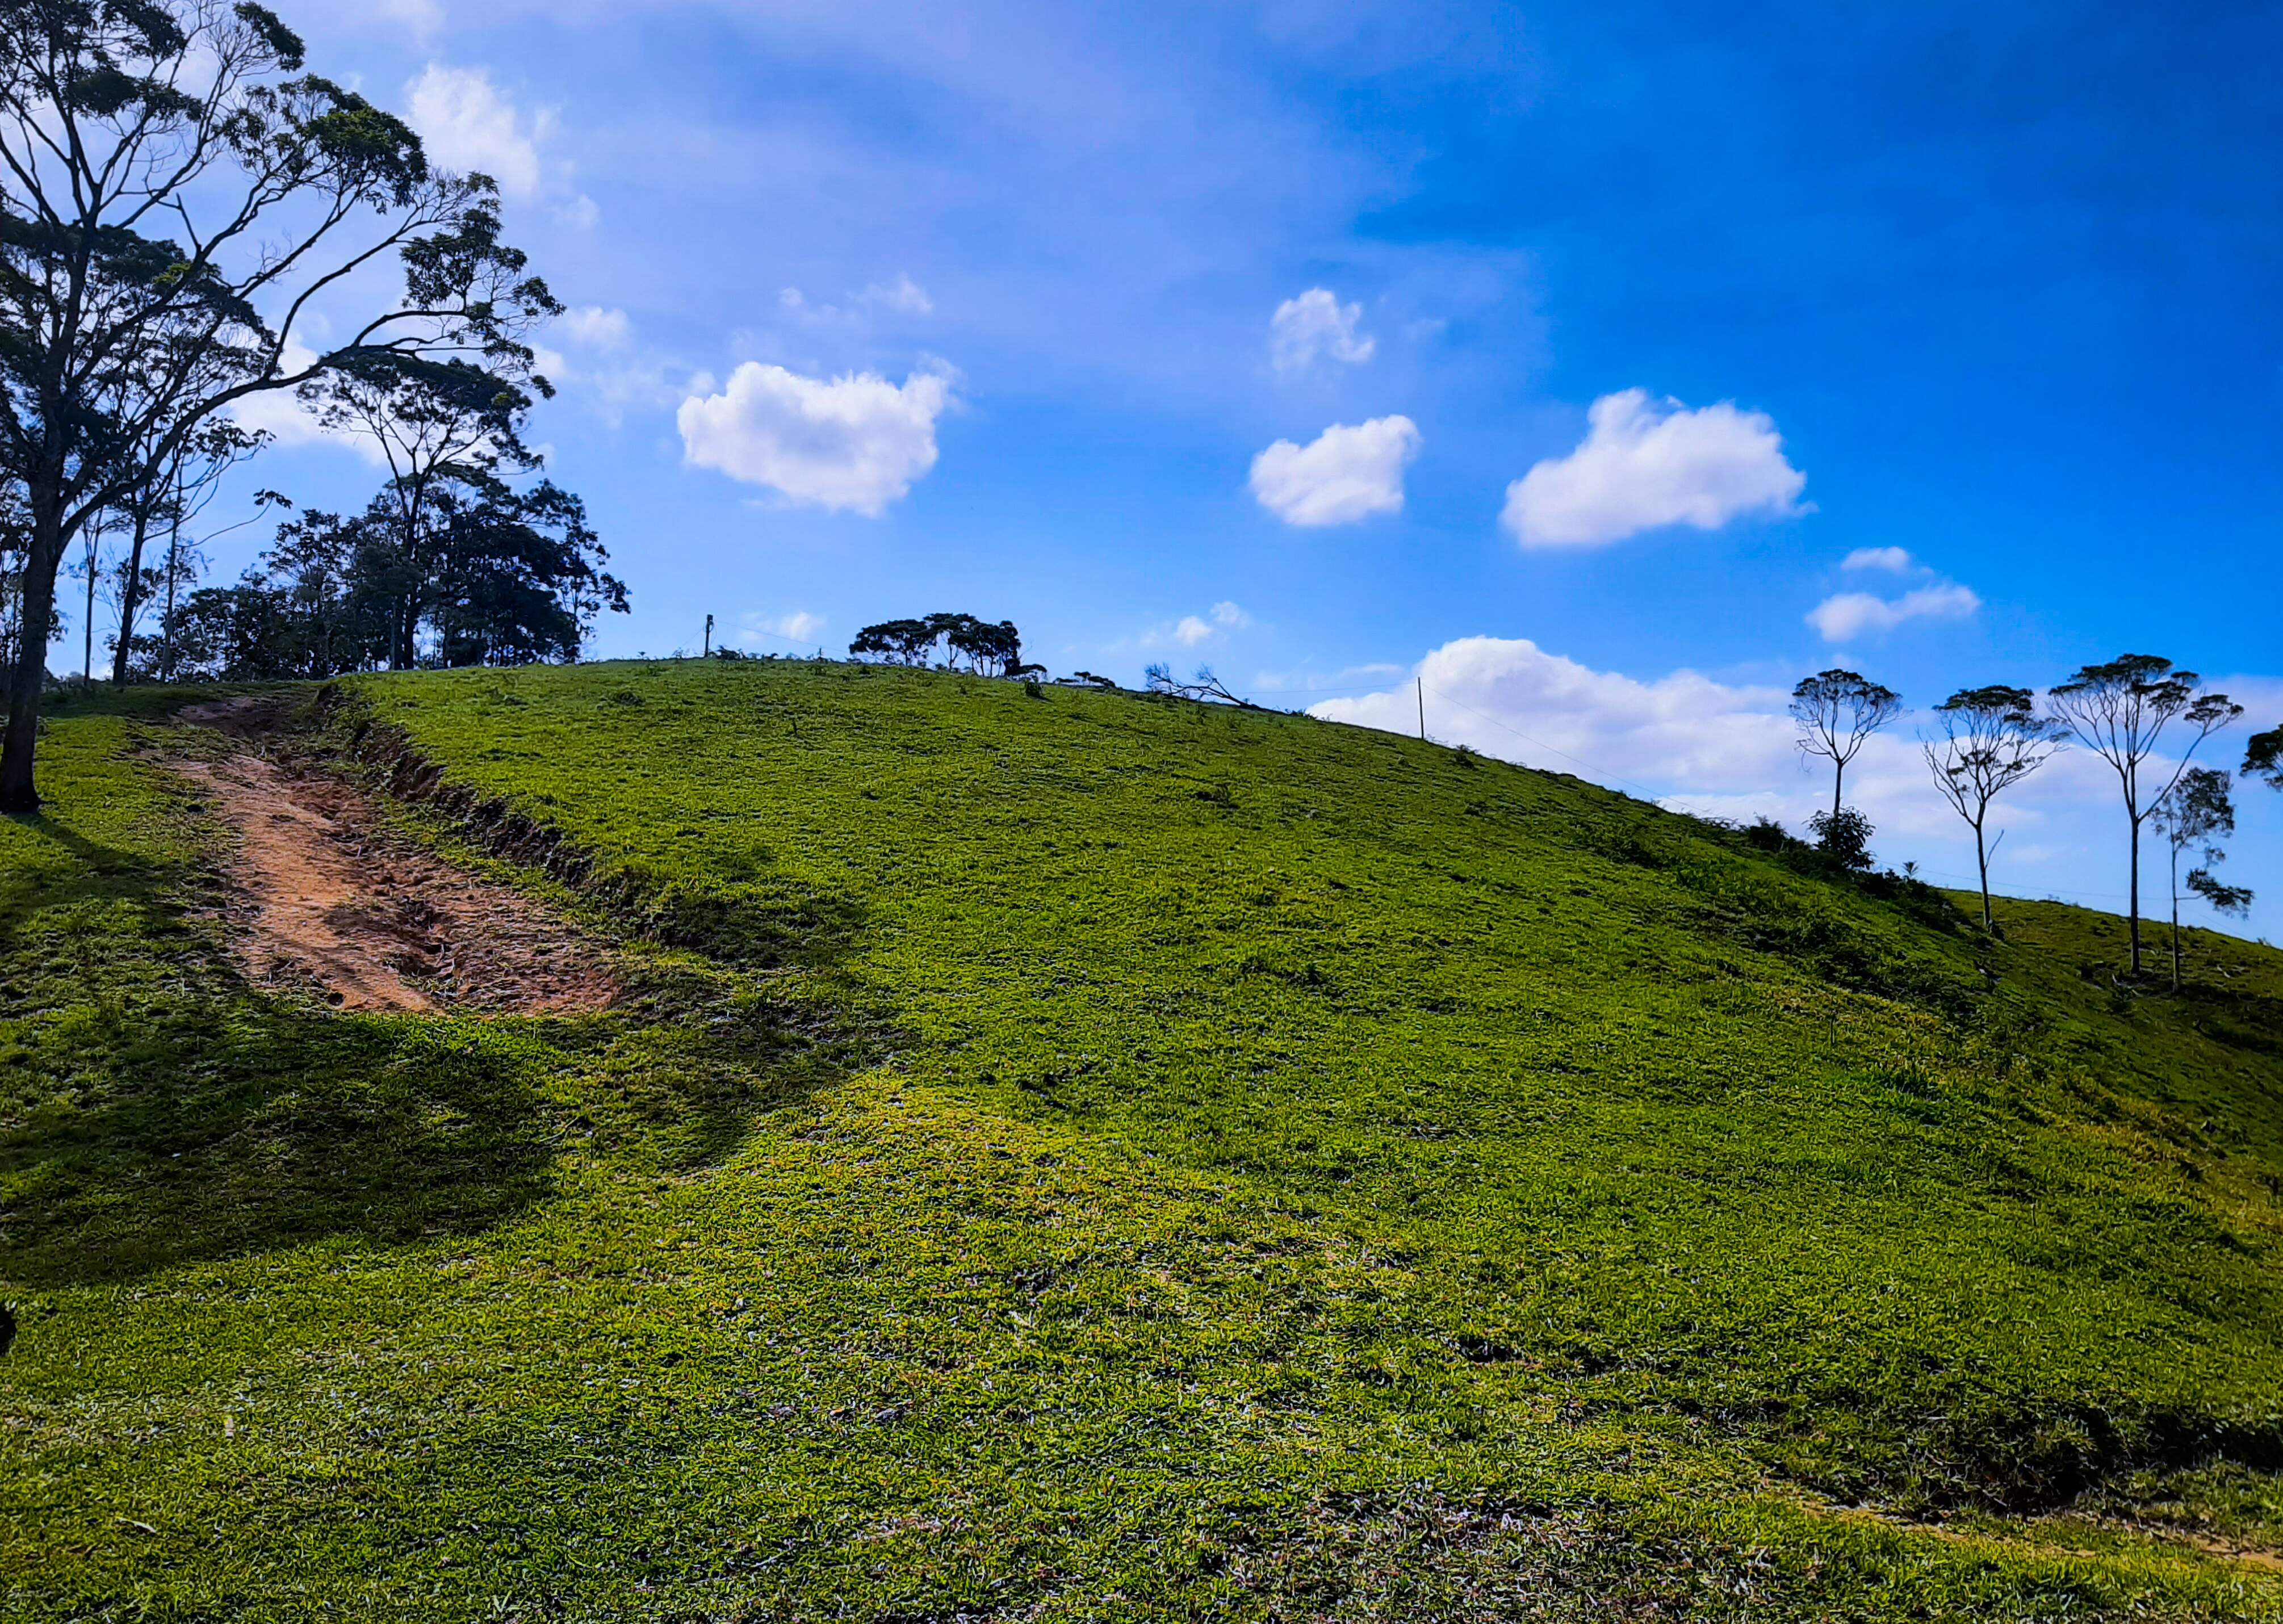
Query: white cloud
{"x": 1344, "y": 476}
{"x": 468, "y": 124}
{"x": 1846, "y": 614}
{"x": 1895, "y": 559}
{"x": 1642, "y": 466}
{"x": 902, "y": 294}
{"x": 1314, "y": 324}
{"x": 799, "y": 627}
{"x": 1722, "y": 750}
{"x": 854, "y": 442}
{"x": 1684, "y": 729}
{"x": 1189, "y": 631}
{"x": 790, "y": 298}
{"x": 581, "y": 212}
{"x": 279, "y": 413}
{"x": 598, "y": 328}
{"x": 422, "y": 16}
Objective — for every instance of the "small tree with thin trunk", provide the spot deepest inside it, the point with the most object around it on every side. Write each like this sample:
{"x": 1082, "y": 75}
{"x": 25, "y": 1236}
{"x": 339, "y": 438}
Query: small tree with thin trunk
{"x": 2121, "y": 711}
{"x": 1991, "y": 739}
{"x": 1837, "y": 712}
{"x": 2197, "y": 812}
{"x": 174, "y": 490}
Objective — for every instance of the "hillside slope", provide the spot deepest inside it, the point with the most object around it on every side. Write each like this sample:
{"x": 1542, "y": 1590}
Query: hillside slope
{"x": 1071, "y": 1156}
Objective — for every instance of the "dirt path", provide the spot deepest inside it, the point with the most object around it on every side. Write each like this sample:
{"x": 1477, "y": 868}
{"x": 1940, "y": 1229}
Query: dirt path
{"x": 324, "y": 894}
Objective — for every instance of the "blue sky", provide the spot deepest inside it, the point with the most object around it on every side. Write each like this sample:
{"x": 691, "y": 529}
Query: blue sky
{"x": 1025, "y": 297}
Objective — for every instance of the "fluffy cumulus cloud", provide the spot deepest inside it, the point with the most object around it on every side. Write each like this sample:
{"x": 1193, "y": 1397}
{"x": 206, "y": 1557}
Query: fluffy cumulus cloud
{"x": 1316, "y": 325}
{"x": 1894, "y": 560}
{"x": 1645, "y": 464}
{"x": 1509, "y": 697}
{"x": 852, "y": 443}
{"x": 1848, "y": 614}
{"x": 468, "y": 123}
{"x": 1345, "y": 474}
{"x": 1190, "y": 630}
{"x": 1725, "y": 750}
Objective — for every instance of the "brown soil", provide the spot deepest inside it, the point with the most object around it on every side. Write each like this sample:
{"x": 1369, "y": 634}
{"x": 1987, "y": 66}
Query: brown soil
{"x": 324, "y": 894}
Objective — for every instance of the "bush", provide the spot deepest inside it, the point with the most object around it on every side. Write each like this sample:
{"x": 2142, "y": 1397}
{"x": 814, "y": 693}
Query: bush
{"x": 1764, "y": 833}
{"x": 1844, "y": 836}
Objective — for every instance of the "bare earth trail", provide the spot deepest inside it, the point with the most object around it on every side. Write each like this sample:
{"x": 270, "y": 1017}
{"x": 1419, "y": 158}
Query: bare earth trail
{"x": 324, "y": 894}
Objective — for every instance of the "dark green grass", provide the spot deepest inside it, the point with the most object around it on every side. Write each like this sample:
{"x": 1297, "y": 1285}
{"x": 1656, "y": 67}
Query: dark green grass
{"x": 1076, "y": 1157}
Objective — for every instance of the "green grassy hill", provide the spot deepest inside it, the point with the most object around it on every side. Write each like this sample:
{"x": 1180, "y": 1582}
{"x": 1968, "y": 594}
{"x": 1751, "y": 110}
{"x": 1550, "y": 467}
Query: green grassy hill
{"x": 1077, "y": 1157}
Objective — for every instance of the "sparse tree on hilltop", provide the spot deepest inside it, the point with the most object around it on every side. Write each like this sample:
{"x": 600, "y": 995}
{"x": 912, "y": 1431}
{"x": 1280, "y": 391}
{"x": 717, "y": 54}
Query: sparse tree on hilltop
{"x": 1992, "y": 738}
{"x": 2197, "y": 811}
{"x": 1837, "y": 712}
{"x": 2121, "y": 711}
{"x": 991, "y": 649}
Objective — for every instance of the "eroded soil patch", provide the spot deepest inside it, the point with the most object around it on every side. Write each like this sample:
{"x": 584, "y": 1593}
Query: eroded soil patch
{"x": 324, "y": 894}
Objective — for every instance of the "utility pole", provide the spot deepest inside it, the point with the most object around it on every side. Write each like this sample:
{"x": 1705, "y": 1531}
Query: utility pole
{"x": 1422, "y": 685}
{"x": 709, "y": 637}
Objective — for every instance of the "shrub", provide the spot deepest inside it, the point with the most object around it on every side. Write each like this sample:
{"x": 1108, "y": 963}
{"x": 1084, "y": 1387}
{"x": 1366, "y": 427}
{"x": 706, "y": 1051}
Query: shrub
{"x": 1844, "y": 836}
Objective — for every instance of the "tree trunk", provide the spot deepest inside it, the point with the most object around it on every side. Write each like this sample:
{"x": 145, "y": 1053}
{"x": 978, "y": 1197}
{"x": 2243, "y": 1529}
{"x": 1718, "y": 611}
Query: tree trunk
{"x": 131, "y": 596}
{"x": 1982, "y": 862}
{"x": 2135, "y": 915}
{"x": 167, "y": 627}
{"x": 19, "y": 789}
{"x": 2175, "y": 920}
{"x": 87, "y": 632}
{"x": 1838, "y": 777}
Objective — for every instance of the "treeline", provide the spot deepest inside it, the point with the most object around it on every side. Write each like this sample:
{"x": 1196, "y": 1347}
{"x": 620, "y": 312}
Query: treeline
{"x": 126, "y": 353}
{"x": 2141, "y": 714}
{"x": 484, "y": 575}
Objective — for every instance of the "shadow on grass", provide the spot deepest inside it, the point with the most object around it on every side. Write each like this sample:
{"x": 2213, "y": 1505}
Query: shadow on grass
{"x": 156, "y": 1110}
{"x": 250, "y": 1124}
{"x": 243, "y": 1124}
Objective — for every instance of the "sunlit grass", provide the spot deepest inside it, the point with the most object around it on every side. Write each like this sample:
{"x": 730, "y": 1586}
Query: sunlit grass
{"x": 1074, "y": 1157}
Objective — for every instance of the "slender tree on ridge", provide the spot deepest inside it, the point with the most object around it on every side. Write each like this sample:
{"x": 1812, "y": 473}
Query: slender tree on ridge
{"x": 1992, "y": 738}
{"x": 2197, "y": 811}
{"x": 1837, "y": 712}
{"x": 2121, "y": 711}
{"x": 178, "y": 198}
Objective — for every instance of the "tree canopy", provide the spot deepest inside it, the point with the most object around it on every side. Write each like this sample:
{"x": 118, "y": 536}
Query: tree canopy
{"x": 2121, "y": 710}
{"x": 991, "y": 648}
{"x": 1991, "y": 739}
{"x": 1837, "y": 712}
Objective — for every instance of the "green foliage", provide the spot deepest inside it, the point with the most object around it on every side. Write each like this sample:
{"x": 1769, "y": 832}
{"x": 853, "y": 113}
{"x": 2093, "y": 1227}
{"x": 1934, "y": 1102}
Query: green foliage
{"x": 1076, "y": 1157}
{"x": 993, "y": 650}
{"x": 1845, "y": 838}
